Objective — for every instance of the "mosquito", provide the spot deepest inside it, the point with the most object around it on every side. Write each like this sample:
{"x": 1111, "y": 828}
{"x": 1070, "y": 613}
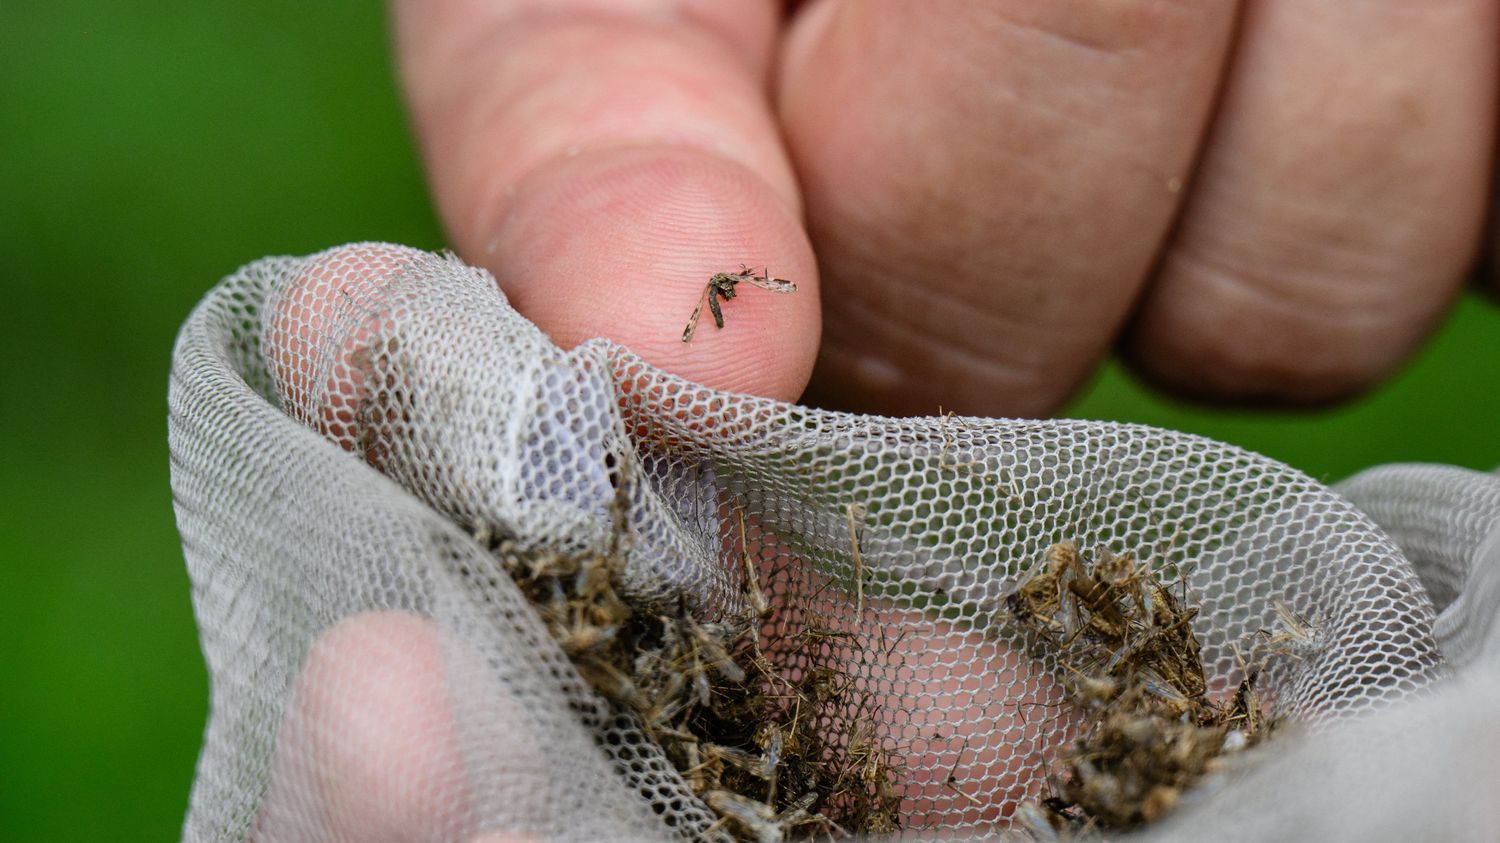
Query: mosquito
{"x": 1298, "y": 637}
{"x": 722, "y": 285}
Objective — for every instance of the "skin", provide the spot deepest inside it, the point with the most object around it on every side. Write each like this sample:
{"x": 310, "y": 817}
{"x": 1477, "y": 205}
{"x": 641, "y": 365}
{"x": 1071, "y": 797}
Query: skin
{"x": 1272, "y": 201}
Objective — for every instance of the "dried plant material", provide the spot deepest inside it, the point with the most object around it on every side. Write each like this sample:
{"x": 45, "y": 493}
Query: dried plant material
{"x": 749, "y": 739}
{"x": 859, "y": 563}
{"x": 722, "y": 286}
{"x": 946, "y": 460}
{"x": 1134, "y": 669}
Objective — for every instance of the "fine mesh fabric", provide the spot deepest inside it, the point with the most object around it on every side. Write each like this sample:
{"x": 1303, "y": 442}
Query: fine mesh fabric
{"x": 350, "y": 430}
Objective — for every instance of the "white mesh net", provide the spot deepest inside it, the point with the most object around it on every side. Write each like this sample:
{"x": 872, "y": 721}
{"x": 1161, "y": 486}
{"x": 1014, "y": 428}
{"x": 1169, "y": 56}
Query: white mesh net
{"x": 358, "y": 437}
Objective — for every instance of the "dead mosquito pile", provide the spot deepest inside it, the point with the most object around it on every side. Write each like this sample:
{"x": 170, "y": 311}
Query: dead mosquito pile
{"x": 749, "y": 739}
{"x": 1133, "y": 669}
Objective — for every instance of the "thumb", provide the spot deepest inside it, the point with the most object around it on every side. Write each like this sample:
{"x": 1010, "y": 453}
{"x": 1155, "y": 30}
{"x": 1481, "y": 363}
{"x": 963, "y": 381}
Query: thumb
{"x": 604, "y": 167}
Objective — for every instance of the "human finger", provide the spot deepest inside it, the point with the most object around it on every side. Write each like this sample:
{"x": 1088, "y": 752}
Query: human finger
{"x": 368, "y": 749}
{"x": 988, "y": 185}
{"x": 1338, "y": 205}
{"x": 977, "y": 726}
{"x": 318, "y": 335}
{"x": 605, "y": 159}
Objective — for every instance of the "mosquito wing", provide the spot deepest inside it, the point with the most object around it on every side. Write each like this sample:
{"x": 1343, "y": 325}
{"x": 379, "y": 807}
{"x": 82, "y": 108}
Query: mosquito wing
{"x": 775, "y": 285}
{"x": 692, "y": 325}
{"x": 1296, "y": 627}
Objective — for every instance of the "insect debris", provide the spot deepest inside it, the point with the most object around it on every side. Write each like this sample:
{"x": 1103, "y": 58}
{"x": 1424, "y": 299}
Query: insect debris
{"x": 1134, "y": 671}
{"x": 1298, "y": 637}
{"x": 722, "y": 286}
{"x": 771, "y": 750}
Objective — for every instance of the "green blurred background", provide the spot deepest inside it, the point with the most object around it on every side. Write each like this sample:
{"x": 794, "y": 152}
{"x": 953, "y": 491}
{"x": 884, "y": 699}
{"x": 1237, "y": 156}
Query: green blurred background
{"x": 146, "y": 150}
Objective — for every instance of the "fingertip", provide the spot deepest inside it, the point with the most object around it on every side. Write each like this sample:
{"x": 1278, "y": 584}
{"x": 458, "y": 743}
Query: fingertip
{"x": 368, "y": 748}
{"x": 621, "y": 244}
{"x": 316, "y": 337}
{"x": 603, "y": 161}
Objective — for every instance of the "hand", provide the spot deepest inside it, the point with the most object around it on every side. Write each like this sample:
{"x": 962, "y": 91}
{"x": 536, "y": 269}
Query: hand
{"x": 1269, "y": 201}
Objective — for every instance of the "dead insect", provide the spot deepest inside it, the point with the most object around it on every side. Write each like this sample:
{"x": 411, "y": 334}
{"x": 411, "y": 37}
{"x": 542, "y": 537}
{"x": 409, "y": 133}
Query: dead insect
{"x": 1134, "y": 670}
{"x": 722, "y": 285}
{"x": 1298, "y": 637}
{"x": 1037, "y": 597}
{"x": 854, "y": 513}
{"x": 1091, "y": 692}
{"x": 709, "y": 639}
{"x": 760, "y": 766}
{"x": 1245, "y": 718}
{"x": 1036, "y": 821}
{"x": 946, "y": 460}
{"x": 1167, "y": 693}
{"x": 952, "y": 782}
{"x": 1122, "y": 572}
{"x": 759, "y": 820}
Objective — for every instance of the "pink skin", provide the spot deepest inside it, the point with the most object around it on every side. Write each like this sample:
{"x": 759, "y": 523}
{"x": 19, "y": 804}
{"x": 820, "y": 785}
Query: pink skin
{"x": 367, "y": 750}
{"x": 319, "y": 390}
{"x": 958, "y": 703}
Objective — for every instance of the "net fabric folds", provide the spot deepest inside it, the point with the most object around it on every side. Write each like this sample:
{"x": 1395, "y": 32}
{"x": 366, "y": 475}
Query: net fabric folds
{"x": 355, "y": 433}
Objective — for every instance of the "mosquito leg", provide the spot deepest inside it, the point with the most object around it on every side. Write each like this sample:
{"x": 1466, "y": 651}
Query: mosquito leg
{"x": 692, "y": 325}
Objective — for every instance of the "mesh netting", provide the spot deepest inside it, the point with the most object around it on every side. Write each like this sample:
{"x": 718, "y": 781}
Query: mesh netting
{"x": 354, "y": 434}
